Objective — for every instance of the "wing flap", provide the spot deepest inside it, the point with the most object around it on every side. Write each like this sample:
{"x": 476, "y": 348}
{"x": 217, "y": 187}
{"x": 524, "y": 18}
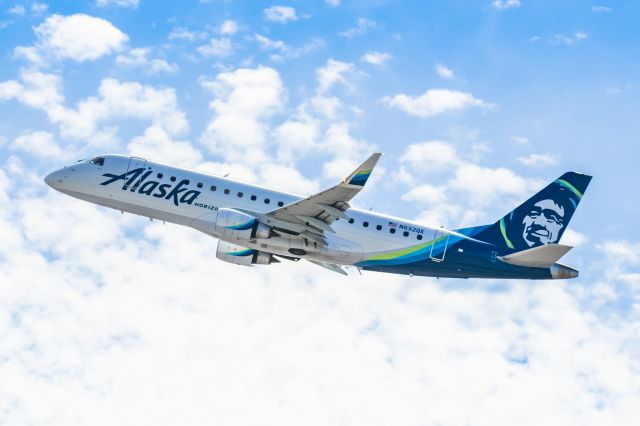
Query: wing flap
{"x": 537, "y": 257}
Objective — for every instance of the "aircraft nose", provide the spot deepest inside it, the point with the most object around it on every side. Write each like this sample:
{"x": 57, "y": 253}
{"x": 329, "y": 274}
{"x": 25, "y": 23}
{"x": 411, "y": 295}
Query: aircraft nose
{"x": 54, "y": 179}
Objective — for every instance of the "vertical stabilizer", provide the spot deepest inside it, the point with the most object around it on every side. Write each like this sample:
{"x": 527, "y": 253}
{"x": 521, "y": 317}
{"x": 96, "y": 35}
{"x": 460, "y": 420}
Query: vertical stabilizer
{"x": 540, "y": 220}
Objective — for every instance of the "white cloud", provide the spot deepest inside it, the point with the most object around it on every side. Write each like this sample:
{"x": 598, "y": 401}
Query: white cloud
{"x": 506, "y": 4}
{"x": 229, "y": 27}
{"x": 40, "y": 144}
{"x": 483, "y": 186}
{"x": 157, "y": 144}
{"x": 329, "y": 106}
{"x": 577, "y": 37}
{"x": 434, "y": 102}
{"x": 348, "y": 151}
{"x": 120, "y": 100}
{"x": 35, "y": 89}
{"x": 268, "y": 44}
{"x": 428, "y": 156}
{"x": 333, "y": 73}
{"x": 280, "y": 14}
{"x": 182, "y": 33}
{"x": 601, "y": 9}
{"x": 363, "y": 27}
{"x": 286, "y": 178}
{"x": 78, "y": 297}
{"x": 118, "y": 3}
{"x": 139, "y": 57}
{"x": 295, "y": 138}
{"x": 18, "y": 9}
{"x": 115, "y": 100}
{"x": 333, "y": 3}
{"x": 376, "y": 58}
{"x": 539, "y": 160}
{"x": 244, "y": 99}
{"x": 426, "y": 194}
{"x": 217, "y": 47}
{"x": 39, "y": 8}
{"x": 30, "y": 53}
{"x": 521, "y": 140}
{"x": 283, "y": 50}
{"x": 445, "y": 72}
{"x": 79, "y": 37}
{"x": 573, "y": 238}
{"x": 473, "y": 188}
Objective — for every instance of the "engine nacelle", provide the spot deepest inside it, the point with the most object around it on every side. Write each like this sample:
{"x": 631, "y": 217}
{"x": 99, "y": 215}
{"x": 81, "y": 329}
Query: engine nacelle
{"x": 236, "y": 224}
{"x": 239, "y": 255}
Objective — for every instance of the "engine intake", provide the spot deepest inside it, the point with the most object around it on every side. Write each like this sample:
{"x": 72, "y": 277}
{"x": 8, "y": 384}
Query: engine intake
{"x": 238, "y": 225}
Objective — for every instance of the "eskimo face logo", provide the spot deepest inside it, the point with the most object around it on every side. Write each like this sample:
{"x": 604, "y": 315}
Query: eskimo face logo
{"x": 135, "y": 181}
{"x": 543, "y": 223}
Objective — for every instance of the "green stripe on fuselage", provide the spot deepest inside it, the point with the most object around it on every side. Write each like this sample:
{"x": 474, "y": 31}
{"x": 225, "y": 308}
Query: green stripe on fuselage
{"x": 406, "y": 251}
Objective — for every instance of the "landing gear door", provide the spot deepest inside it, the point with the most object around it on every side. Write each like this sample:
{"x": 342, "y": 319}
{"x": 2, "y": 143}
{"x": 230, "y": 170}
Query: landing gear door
{"x": 134, "y": 163}
{"x": 439, "y": 246}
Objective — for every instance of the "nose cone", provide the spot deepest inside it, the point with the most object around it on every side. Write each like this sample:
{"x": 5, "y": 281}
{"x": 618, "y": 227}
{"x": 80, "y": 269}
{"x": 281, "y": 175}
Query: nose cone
{"x": 54, "y": 179}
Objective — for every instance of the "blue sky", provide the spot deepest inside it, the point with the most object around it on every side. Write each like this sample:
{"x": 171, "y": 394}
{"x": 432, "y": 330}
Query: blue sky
{"x": 475, "y": 104}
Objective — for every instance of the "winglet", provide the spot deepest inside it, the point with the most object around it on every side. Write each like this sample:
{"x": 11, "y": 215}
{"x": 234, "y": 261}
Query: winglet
{"x": 361, "y": 174}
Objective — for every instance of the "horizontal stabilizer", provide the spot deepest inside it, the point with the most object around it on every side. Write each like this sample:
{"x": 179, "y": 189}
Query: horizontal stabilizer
{"x": 537, "y": 257}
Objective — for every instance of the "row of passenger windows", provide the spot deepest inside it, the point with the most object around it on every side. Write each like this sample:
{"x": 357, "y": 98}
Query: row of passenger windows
{"x": 240, "y": 194}
{"x": 391, "y": 230}
{"x": 227, "y": 191}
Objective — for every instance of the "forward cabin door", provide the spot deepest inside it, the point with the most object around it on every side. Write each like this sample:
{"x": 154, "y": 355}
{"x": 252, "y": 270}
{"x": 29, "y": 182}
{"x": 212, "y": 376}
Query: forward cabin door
{"x": 134, "y": 163}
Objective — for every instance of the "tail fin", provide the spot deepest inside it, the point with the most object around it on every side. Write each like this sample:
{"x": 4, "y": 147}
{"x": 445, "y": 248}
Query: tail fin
{"x": 542, "y": 219}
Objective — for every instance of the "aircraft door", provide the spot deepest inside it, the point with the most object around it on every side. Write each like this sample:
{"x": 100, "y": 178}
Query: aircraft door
{"x": 439, "y": 246}
{"x": 134, "y": 163}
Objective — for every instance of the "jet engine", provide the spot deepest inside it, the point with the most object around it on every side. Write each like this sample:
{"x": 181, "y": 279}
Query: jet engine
{"x": 235, "y": 224}
{"x": 239, "y": 255}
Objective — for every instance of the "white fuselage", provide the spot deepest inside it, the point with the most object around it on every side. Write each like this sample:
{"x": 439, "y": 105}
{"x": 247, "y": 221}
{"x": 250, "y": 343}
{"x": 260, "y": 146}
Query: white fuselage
{"x": 191, "y": 198}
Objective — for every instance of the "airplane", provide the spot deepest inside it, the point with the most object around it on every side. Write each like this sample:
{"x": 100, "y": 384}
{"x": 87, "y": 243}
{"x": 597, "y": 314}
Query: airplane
{"x": 260, "y": 226}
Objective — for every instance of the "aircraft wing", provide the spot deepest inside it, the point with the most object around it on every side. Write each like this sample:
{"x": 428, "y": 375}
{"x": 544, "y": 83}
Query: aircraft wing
{"x": 314, "y": 215}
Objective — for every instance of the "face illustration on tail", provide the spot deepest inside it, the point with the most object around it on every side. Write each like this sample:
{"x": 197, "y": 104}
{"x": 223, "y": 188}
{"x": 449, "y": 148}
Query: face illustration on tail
{"x": 540, "y": 220}
{"x": 543, "y": 217}
{"x": 543, "y": 223}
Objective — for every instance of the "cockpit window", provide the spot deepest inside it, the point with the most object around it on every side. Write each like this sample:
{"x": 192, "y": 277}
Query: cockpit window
{"x": 98, "y": 161}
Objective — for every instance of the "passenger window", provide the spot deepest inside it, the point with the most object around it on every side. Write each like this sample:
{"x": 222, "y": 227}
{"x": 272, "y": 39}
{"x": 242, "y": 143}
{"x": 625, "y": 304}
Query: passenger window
{"x": 186, "y": 181}
{"x": 159, "y": 175}
{"x": 419, "y": 236}
{"x": 98, "y": 161}
{"x": 240, "y": 194}
{"x": 253, "y": 198}
{"x": 199, "y": 185}
{"x": 392, "y": 230}
{"x": 351, "y": 220}
{"x": 173, "y": 178}
{"x": 280, "y": 204}
{"x": 365, "y": 224}
{"x": 267, "y": 201}
{"x": 378, "y": 227}
{"x": 405, "y": 233}
{"x": 226, "y": 191}
{"x": 213, "y": 187}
